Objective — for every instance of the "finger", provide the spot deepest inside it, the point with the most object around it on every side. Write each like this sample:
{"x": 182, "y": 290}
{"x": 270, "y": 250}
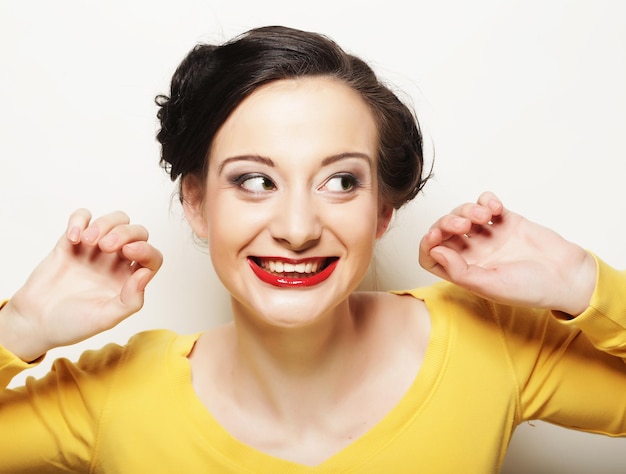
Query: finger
{"x": 470, "y": 218}
{"x": 492, "y": 202}
{"x": 127, "y": 302}
{"x": 477, "y": 213}
{"x": 432, "y": 239}
{"x": 121, "y": 235}
{"x": 437, "y": 261}
{"x": 77, "y": 222}
{"x": 486, "y": 282}
{"x": 103, "y": 225}
{"x": 452, "y": 264}
{"x": 144, "y": 255}
{"x": 452, "y": 224}
{"x": 131, "y": 296}
{"x": 433, "y": 260}
{"x": 149, "y": 261}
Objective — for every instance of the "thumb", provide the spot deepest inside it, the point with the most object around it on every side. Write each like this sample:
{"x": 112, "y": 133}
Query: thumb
{"x": 450, "y": 265}
{"x": 131, "y": 297}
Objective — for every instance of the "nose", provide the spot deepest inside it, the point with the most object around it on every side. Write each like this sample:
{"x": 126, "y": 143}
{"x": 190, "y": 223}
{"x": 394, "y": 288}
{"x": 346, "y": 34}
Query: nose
{"x": 296, "y": 224}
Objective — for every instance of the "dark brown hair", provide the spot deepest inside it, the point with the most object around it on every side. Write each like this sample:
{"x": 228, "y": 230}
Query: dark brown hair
{"x": 212, "y": 80}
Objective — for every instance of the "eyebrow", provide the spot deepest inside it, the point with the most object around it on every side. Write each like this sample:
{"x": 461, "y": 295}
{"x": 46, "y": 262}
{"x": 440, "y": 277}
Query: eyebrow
{"x": 342, "y": 156}
{"x": 268, "y": 162}
{"x": 257, "y": 158}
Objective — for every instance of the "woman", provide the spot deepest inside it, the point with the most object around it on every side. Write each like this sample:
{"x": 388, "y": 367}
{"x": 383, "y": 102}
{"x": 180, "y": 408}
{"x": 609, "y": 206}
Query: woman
{"x": 291, "y": 158}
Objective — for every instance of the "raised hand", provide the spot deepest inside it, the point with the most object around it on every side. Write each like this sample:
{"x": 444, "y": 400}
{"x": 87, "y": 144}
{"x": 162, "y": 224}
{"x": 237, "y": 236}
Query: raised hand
{"x": 506, "y": 258}
{"x": 93, "y": 279}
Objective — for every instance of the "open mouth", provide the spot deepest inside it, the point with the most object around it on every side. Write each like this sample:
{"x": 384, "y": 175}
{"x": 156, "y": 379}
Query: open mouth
{"x": 292, "y": 273}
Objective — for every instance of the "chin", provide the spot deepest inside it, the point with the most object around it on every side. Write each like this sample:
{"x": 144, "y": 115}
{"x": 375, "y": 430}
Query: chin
{"x": 289, "y": 309}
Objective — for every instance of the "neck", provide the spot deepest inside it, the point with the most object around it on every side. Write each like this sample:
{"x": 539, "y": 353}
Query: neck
{"x": 291, "y": 370}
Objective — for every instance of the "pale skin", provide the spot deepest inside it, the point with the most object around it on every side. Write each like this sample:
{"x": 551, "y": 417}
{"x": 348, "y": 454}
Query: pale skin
{"x": 296, "y": 384}
{"x": 93, "y": 279}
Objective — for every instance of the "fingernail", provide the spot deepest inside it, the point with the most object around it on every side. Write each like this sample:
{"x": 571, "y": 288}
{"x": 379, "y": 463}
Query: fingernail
{"x": 91, "y": 234}
{"x": 494, "y": 205}
{"x": 74, "y": 235}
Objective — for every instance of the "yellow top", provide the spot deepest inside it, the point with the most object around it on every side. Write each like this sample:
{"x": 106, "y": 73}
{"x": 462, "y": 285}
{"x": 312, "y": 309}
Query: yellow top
{"x": 488, "y": 367}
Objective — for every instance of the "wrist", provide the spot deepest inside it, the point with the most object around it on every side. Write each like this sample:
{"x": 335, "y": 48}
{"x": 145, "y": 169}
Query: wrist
{"x": 22, "y": 346}
{"x": 583, "y": 283}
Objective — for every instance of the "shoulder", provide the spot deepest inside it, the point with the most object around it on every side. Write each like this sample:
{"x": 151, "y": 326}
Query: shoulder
{"x": 392, "y": 319}
{"x": 463, "y": 312}
{"x": 159, "y": 340}
{"x": 460, "y": 311}
{"x": 156, "y": 347}
{"x": 391, "y": 305}
{"x": 445, "y": 293}
{"x": 135, "y": 358}
{"x": 446, "y": 300}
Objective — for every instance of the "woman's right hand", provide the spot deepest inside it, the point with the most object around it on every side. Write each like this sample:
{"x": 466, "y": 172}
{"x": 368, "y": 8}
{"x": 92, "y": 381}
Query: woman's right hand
{"x": 92, "y": 280}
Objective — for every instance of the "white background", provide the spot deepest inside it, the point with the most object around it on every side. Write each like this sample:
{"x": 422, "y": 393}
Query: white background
{"x": 525, "y": 98}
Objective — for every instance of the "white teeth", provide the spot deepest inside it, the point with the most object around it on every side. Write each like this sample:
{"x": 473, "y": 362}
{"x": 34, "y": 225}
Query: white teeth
{"x": 277, "y": 266}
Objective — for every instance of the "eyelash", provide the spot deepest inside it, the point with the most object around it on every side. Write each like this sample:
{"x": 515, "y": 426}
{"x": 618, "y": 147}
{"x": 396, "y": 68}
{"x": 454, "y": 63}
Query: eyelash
{"x": 240, "y": 181}
{"x": 355, "y": 182}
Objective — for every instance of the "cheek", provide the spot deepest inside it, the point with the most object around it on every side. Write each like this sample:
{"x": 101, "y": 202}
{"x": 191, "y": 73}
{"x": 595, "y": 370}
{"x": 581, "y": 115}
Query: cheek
{"x": 356, "y": 225}
{"x": 232, "y": 222}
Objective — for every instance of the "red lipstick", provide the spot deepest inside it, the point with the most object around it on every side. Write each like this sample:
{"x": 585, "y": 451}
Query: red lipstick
{"x": 292, "y": 282}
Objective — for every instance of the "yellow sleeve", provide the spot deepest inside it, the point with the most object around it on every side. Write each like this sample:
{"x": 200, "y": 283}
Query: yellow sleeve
{"x": 604, "y": 322}
{"x": 572, "y": 373}
{"x": 11, "y": 365}
{"x": 51, "y": 424}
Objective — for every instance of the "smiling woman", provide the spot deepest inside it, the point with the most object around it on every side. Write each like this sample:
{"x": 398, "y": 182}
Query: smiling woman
{"x": 280, "y": 162}
{"x": 291, "y": 158}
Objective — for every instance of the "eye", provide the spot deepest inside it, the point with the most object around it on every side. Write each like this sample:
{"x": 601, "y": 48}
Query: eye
{"x": 255, "y": 183}
{"x": 342, "y": 183}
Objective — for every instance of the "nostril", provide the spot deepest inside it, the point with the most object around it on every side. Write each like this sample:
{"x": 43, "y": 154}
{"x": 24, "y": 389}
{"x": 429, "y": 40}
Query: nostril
{"x": 296, "y": 227}
{"x": 297, "y": 245}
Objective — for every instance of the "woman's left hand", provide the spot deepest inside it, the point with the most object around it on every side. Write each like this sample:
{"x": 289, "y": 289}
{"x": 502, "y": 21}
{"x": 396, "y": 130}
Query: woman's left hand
{"x": 506, "y": 258}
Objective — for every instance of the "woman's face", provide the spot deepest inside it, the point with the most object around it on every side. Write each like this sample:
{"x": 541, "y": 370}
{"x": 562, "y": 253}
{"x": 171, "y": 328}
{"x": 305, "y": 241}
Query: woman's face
{"x": 291, "y": 207}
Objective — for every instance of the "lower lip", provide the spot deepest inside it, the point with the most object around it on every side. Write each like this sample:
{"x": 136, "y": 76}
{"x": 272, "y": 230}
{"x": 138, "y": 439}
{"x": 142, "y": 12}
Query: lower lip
{"x": 286, "y": 282}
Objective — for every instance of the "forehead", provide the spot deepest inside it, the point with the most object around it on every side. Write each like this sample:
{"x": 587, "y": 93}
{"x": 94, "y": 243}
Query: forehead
{"x": 304, "y": 92}
{"x": 316, "y": 113}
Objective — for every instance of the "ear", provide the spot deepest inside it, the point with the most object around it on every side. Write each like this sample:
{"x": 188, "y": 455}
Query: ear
{"x": 192, "y": 190}
{"x": 385, "y": 213}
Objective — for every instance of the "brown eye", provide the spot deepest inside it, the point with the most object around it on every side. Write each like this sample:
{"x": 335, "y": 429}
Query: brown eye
{"x": 341, "y": 183}
{"x": 257, "y": 184}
